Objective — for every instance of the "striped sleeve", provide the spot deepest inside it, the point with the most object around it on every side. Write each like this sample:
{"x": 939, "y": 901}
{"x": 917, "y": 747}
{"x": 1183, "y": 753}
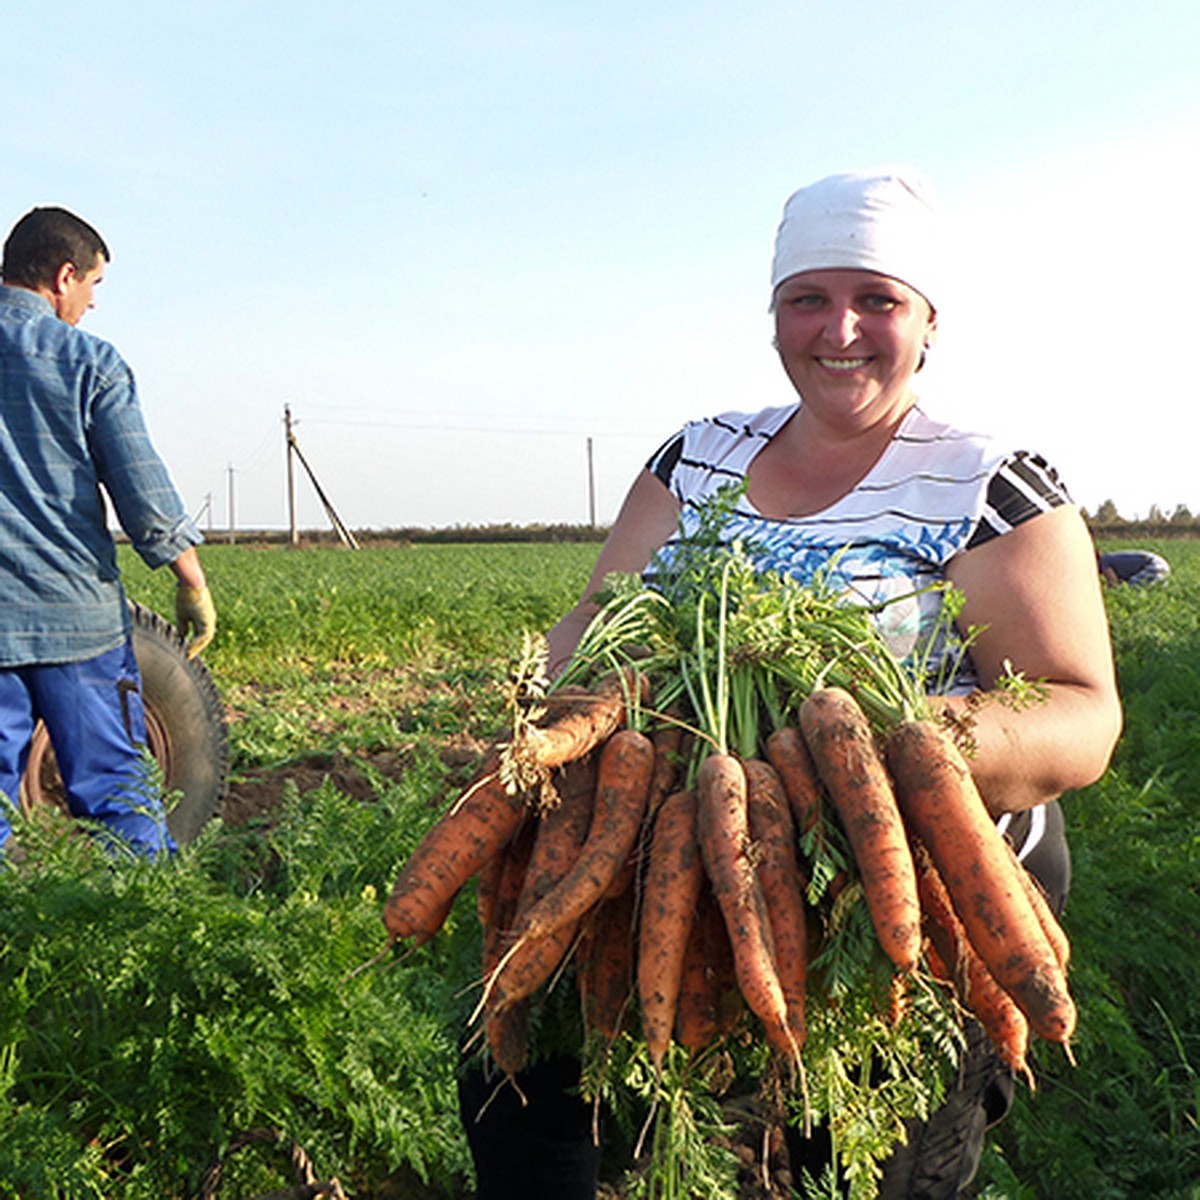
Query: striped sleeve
{"x": 665, "y": 459}
{"x": 1024, "y": 486}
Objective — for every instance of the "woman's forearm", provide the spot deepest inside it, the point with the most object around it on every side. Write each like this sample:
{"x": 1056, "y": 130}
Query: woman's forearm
{"x": 1023, "y": 756}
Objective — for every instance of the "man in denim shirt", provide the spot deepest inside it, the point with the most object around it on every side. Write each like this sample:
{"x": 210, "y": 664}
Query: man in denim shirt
{"x": 71, "y": 424}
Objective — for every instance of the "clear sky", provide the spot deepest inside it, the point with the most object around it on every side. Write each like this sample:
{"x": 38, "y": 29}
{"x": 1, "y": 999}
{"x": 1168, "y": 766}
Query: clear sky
{"x": 463, "y": 239}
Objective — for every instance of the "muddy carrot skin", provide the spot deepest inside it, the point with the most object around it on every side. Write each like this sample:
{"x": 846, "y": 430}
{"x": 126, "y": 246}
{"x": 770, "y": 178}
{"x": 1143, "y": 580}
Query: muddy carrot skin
{"x": 667, "y": 739}
{"x": 710, "y": 1003}
{"x": 788, "y": 753}
{"x": 951, "y": 953}
{"x": 943, "y": 809}
{"x": 497, "y": 913}
{"x": 1055, "y": 934}
{"x": 623, "y": 776}
{"x": 778, "y": 866}
{"x": 561, "y": 832}
{"x": 508, "y": 1036}
{"x": 674, "y": 874}
{"x": 606, "y": 964}
{"x": 581, "y": 723}
{"x": 843, "y": 748}
{"x": 470, "y": 833}
{"x": 724, "y": 845}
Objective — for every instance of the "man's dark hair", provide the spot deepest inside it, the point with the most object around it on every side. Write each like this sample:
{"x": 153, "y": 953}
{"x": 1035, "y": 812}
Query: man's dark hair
{"x": 45, "y": 238}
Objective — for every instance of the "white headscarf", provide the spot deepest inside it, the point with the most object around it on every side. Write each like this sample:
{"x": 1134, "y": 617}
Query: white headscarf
{"x": 883, "y": 221}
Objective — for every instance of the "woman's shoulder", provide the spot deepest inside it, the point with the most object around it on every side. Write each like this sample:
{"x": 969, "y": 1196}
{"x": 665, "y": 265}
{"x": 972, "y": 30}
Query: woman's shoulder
{"x": 924, "y": 434}
{"x": 734, "y": 424}
{"x": 717, "y": 447}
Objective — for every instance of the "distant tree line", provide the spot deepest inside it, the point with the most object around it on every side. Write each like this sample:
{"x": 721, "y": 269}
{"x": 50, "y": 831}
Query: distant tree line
{"x": 1106, "y": 521}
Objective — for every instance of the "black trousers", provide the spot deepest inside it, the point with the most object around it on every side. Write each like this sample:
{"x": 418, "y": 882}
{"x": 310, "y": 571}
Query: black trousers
{"x": 539, "y": 1150}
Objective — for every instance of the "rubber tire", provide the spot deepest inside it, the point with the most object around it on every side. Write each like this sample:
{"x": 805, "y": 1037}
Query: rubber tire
{"x": 185, "y": 730}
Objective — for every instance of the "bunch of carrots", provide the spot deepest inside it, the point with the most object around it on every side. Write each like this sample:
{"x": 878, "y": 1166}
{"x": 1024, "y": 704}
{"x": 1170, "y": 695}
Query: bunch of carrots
{"x": 624, "y": 870}
{"x": 689, "y": 828}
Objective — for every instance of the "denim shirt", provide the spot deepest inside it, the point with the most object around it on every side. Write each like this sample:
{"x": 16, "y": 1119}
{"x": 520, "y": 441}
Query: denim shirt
{"x": 70, "y": 425}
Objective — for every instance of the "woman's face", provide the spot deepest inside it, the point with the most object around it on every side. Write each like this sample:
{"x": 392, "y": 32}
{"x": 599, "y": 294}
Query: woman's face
{"x": 850, "y": 341}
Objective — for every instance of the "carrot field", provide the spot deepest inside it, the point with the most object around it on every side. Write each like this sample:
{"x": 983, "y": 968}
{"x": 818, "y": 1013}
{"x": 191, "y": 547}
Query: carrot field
{"x": 153, "y": 1018}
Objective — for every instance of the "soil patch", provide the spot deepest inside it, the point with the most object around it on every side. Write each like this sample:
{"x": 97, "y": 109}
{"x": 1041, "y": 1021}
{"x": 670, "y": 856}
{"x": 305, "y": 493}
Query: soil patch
{"x": 255, "y": 795}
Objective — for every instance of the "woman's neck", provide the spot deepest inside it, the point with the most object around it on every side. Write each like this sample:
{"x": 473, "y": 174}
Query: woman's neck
{"x": 806, "y": 467}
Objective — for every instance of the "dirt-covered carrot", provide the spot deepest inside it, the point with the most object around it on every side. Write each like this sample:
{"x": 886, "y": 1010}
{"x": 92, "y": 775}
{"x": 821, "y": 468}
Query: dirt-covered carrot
{"x": 724, "y": 845}
{"x": 495, "y": 897}
{"x": 674, "y": 874}
{"x": 623, "y": 773}
{"x": 710, "y": 1003}
{"x": 667, "y": 738}
{"x": 944, "y": 810}
{"x": 498, "y": 911}
{"x": 470, "y": 833}
{"x": 843, "y": 748}
{"x": 778, "y": 867}
{"x": 1055, "y": 933}
{"x": 581, "y": 722}
{"x": 605, "y": 964}
{"x": 953, "y": 957}
{"x": 508, "y": 1036}
{"x": 560, "y": 833}
{"x": 788, "y": 753}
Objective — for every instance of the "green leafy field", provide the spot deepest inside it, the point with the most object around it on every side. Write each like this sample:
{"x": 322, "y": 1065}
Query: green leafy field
{"x": 151, "y": 1015}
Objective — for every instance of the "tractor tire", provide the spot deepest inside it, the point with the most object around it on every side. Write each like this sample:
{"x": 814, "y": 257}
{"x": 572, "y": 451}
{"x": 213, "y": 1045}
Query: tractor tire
{"x": 185, "y": 731}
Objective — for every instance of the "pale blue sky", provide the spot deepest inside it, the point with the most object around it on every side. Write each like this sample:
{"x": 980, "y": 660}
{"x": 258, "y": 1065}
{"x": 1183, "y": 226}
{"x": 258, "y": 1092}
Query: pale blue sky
{"x": 460, "y": 239}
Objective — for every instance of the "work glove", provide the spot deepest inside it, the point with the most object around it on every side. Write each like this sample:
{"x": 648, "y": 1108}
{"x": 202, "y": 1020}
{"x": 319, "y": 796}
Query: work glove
{"x": 195, "y": 615}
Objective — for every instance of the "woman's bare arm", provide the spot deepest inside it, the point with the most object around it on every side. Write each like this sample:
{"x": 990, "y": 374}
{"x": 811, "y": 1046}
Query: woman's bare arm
{"x": 1035, "y": 594}
{"x": 647, "y": 518}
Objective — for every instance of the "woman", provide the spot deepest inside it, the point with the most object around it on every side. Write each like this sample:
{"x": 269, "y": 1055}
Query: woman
{"x": 856, "y": 474}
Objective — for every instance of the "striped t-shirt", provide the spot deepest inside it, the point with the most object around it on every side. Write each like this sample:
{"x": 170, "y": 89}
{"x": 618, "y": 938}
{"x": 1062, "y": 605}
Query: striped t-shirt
{"x": 934, "y": 492}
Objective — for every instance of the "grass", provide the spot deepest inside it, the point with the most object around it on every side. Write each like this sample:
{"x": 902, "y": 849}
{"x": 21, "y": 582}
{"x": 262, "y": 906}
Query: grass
{"x": 151, "y": 1015}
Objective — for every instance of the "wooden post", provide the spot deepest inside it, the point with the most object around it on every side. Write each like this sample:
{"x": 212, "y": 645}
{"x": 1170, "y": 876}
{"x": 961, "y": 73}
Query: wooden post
{"x": 232, "y": 518}
{"x": 591, "y": 485}
{"x": 293, "y": 532}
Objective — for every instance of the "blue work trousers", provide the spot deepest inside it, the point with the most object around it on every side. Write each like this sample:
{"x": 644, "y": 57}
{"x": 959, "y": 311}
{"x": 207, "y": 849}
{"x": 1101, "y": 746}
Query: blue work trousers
{"x": 93, "y": 713}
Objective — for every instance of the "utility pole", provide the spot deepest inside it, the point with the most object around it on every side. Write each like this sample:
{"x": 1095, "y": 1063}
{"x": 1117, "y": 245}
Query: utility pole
{"x": 293, "y": 532}
{"x": 232, "y": 518}
{"x": 591, "y": 485}
{"x": 294, "y": 450}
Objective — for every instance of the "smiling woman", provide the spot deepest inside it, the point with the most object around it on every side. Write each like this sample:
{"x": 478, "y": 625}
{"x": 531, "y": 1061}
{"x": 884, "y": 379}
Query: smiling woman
{"x": 856, "y": 485}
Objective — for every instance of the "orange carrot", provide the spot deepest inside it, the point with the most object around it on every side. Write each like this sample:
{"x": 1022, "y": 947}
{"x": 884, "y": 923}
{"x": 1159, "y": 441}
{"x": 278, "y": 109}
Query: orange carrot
{"x": 724, "y": 843}
{"x": 673, "y": 877}
{"x": 623, "y": 775}
{"x": 952, "y": 952}
{"x": 495, "y": 879}
{"x": 464, "y": 838}
{"x": 497, "y": 912}
{"x": 605, "y": 964}
{"x": 1055, "y": 934}
{"x": 710, "y": 1003}
{"x": 561, "y": 832}
{"x": 788, "y": 754}
{"x": 508, "y": 1036}
{"x": 667, "y": 738}
{"x": 774, "y": 834}
{"x": 582, "y": 722}
{"x": 843, "y": 749}
{"x": 943, "y": 808}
